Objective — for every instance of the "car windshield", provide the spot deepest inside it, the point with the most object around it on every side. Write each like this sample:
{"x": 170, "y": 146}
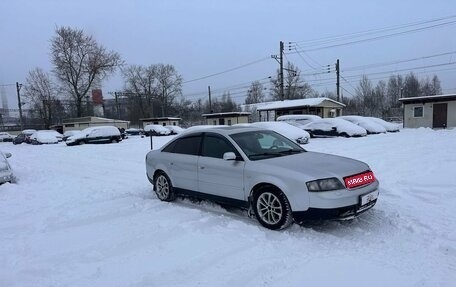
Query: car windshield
{"x": 265, "y": 144}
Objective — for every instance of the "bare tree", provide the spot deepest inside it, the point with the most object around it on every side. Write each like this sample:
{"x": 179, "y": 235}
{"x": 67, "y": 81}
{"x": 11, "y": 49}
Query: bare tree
{"x": 41, "y": 93}
{"x": 169, "y": 86}
{"x": 411, "y": 86}
{"x": 294, "y": 87}
{"x": 141, "y": 89}
{"x": 364, "y": 96}
{"x": 255, "y": 93}
{"x": 79, "y": 60}
{"x": 435, "y": 84}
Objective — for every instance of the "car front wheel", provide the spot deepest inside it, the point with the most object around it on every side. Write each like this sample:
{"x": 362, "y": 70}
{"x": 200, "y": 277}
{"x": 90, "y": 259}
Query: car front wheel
{"x": 272, "y": 208}
{"x": 163, "y": 187}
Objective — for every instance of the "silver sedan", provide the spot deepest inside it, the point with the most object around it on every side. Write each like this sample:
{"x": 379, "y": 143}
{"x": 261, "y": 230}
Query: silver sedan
{"x": 264, "y": 172}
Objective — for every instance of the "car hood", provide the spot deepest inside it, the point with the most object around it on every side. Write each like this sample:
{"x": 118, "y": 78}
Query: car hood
{"x": 318, "y": 165}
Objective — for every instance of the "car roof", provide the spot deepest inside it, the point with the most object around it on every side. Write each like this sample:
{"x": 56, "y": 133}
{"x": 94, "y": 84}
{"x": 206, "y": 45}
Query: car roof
{"x": 224, "y": 130}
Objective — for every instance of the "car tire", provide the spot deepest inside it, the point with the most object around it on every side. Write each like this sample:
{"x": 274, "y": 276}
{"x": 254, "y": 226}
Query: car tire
{"x": 163, "y": 187}
{"x": 114, "y": 141}
{"x": 271, "y": 208}
{"x": 82, "y": 143}
{"x": 345, "y": 135}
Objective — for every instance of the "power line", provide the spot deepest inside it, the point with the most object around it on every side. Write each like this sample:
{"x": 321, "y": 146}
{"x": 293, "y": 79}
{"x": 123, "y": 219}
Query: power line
{"x": 329, "y": 39}
{"x": 370, "y": 66}
{"x": 232, "y": 87}
{"x": 228, "y": 70}
{"x": 377, "y": 37}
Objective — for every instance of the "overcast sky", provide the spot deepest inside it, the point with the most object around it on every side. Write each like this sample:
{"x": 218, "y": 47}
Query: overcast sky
{"x": 204, "y": 37}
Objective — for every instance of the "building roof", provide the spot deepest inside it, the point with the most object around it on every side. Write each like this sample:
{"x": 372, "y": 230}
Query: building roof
{"x": 286, "y": 104}
{"x": 92, "y": 119}
{"x": 228, "y": 114}
{"x": 162, "y": 119}
{"x": 427, "y": 99}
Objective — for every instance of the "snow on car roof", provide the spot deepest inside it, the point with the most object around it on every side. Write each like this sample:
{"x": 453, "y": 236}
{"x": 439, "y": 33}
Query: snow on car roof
{"x": 295, "y": 103}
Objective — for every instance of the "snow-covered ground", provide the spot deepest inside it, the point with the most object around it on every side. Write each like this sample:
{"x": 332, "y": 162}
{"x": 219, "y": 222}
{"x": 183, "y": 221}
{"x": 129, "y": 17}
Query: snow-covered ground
{"x": 86, "y": 216}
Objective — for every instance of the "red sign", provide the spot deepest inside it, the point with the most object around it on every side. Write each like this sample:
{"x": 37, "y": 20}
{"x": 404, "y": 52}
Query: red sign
{"x": 97, "y": 97}
{"x": 360, "y": 179}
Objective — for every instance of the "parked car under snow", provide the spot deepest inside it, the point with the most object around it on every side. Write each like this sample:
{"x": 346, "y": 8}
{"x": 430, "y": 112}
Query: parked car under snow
{"x": 156, "y": 130}
{"x": 331, "y": 127}
{"x": 95, "y": 135}
{"x": 298, "y": 120}
{"x": 45, "y": 137}
{"x": 369, "y": 125}
{"x": 6, "y": 137}
{"x": 292, "y": 132}
{"x": 390, "y": 127}
{"x": 23, "y": 137}
{"x": 6, "y": 174}
{"x": 175, "y": 129}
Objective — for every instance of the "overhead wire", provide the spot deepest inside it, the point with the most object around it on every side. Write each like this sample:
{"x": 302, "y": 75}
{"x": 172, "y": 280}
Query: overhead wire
{"x": 227, "y": 71}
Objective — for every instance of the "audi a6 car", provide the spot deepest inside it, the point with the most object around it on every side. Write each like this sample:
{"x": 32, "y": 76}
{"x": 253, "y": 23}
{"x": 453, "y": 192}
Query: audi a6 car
{"x": 264, "y": 172}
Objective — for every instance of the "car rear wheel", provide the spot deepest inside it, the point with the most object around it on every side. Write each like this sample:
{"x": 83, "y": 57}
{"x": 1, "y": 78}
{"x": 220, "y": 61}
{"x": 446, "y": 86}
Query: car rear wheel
{"x": 163, "y": 187}
{"x": 114, "y": 141}
{"x": 272, "y": 208}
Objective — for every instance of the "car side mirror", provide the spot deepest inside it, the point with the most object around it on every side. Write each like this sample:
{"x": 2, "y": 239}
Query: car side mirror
{"x": 7, "y": 154}
{"x": 229, "y": 156}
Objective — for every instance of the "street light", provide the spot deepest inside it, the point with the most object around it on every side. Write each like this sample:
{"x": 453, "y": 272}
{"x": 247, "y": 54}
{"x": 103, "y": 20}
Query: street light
{"x": 18, "y": 88}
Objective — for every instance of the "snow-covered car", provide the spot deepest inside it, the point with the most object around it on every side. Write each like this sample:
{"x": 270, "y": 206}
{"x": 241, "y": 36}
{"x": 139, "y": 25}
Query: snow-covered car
{"x": 263, "y": 172}
{"x": 6, "y": 137}
{"x": 6, "y": 174}
{"x": 100, "y": 134}
{"x": 68, "y": 134}
{"x": 156, "y": 130}
{"x": 44, "y": 137}
{"x": 134, "y": 132}
{"x": 298, "y": 119}
{"x": 292, "y": 132}
{"x": 24, "y": 137}
{"x": 390, "y": 127}
{"x": 175, "y": 129}
{"x": 331, "y": 127}
{"x": 370, "y": 126}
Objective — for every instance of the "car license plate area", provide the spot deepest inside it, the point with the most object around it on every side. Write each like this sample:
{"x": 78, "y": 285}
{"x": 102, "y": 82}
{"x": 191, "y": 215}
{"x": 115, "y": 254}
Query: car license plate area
{"x": 366, "y": 200}
{"x": 359, "y": 179}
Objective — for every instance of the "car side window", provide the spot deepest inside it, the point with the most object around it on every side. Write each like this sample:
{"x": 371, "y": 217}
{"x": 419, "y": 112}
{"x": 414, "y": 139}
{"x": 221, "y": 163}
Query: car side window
{"x": 187, "y": 145}
{"x": 216, "y": 146}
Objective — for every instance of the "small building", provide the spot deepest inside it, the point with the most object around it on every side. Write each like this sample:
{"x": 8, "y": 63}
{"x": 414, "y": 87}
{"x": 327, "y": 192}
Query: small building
{"x": 229, "y": 118}
{"x": 85, "y": 122}
{"x": 163, "y": 121}
{"x": 437, "y": 111}
{"x": 323, "y": 107}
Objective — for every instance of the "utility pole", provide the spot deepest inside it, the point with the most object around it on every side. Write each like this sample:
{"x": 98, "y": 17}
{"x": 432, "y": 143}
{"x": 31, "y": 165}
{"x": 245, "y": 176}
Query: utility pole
{"x": 338, "y": 80}
{"x": 282, "y": 94}
{"x": 18, "y": 89}
{"x": 279, "y": 59}
{"x": 116, "y": 96}
{"x": 210, "y": 101}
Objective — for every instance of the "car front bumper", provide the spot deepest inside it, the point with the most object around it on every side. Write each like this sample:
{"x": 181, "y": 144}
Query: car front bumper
{"x": 341, "y": 213}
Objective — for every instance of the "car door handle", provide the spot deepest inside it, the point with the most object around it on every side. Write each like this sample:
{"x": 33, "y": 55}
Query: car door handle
{"x": 171, "y": 163}
{"x": 202, "y": 167}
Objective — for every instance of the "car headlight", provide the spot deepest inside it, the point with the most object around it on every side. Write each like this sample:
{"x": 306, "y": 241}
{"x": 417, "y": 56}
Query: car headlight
{"x": 325, "y": 184}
